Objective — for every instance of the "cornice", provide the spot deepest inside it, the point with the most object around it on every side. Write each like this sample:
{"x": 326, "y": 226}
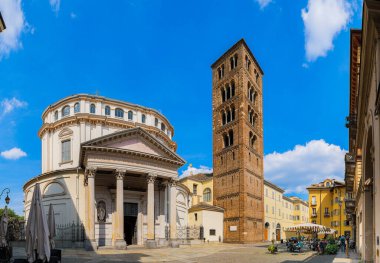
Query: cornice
{"x": 93, "y": 119}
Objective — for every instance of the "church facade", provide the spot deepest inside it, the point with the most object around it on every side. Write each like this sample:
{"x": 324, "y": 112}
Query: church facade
{"x": 112, "y": 166}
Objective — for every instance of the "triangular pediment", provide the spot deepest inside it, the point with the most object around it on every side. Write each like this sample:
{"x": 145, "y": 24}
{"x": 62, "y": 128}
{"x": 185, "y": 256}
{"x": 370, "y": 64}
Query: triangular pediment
{"x": 135, "y": 140}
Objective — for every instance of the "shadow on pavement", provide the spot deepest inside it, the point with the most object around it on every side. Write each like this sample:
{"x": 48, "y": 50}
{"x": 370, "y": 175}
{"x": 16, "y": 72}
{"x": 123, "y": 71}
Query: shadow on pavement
{"x": 314, "y": 259}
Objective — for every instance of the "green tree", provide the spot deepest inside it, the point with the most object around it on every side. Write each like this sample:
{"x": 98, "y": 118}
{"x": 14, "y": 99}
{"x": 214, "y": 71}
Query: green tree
{"x": 11, "y": 214}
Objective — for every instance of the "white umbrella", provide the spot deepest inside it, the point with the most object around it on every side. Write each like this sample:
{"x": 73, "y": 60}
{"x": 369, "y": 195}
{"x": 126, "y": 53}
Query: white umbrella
{"x": 37, "y": 231}
{"x": 51, "y": 224}
{"x": 308, "y": 228}
{"x": 4, "y": 228}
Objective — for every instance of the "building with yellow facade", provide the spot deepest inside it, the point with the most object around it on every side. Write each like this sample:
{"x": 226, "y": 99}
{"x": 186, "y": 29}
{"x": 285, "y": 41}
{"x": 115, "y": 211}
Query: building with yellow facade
{"x": 281, "y": 212}
{"x": 202, "y": 212}
{"x": 327, "y": 206}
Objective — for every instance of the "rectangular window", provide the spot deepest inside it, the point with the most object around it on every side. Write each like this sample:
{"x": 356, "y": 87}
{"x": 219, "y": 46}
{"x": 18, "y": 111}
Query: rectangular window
{"x": 314, "y": 211}
{"x": 195, "y": 189}
{"x": 66, "y": 151}
{"x": 212, "y": 232}
{"x": 196, "y": 216}
{"x": 313, "y": 200}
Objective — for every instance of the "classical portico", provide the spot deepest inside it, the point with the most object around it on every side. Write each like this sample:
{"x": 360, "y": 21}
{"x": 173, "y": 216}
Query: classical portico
{"x": 130, "y": 186}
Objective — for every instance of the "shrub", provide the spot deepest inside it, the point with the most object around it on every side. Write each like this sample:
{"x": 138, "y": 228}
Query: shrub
{"x": 331, "y": 240}
{"x": 331, "y": 249}
{"x": 272, "y": 249}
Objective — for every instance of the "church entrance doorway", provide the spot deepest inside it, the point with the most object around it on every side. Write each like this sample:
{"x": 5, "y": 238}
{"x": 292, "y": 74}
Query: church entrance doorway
{"x": 130, "y": 223}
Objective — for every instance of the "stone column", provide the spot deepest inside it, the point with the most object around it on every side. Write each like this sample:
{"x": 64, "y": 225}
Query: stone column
{"x": 119, "y": 235}
{"x": 91, "y": 243}
{"x": 173, "y": 211}
{"x": 151, "y": 243}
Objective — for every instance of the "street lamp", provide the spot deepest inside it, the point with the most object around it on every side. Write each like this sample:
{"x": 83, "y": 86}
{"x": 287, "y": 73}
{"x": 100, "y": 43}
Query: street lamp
{"x": 340, "y": 215}
{"x": 7, "y": 199}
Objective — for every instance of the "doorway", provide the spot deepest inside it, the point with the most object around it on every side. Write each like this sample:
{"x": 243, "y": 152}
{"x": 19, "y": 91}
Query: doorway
{"x": 278, "y": 232}
{"x": 266, "y": 230}
{"x": 130, "y": 223}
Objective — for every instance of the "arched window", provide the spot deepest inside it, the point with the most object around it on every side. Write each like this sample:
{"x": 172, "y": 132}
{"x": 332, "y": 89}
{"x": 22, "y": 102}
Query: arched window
{"x": 247, "y": 62}
{"x": 66, "y": 111}
{"x": 156, "y": 122}
{"x": 225, "y": 140}
{"x": 56, "y": 115}
{"x": 163, "y": 127}
{"x": 228, "y": 92}
{"x": 119, "y": 113}
{"x": 76, "y": 107}
{"x": 252, "y": 140}
{"x": 222, "y": 70}
{"x": 107, "y": 110}
{"x": 130, "y": 115}
{"x": 223, "y": 118}
{"x": 207, "y": 195}
{"x": 92, "y": 108}
{"x": 232, "y": 63}
{"x": 231, "y": 137}
{"x": 223, "y": 94}
{"x": 236, "y": 60}
{"x": 232, "y": 89}
{"x": 143, "y": 118}
{"x": 232, "y": 112}
{"x": 228, "y": 116}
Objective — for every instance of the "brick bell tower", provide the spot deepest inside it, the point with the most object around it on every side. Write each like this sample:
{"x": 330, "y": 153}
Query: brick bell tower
{"x": 238, "y": 143}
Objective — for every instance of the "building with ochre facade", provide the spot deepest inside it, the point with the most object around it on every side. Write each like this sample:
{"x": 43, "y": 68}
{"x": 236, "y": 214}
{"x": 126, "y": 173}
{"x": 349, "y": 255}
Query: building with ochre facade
{"x": 327, "y": 206}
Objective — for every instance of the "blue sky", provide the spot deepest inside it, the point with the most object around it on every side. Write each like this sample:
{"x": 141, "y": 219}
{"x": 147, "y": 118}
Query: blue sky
{"x": 158, "y": 54}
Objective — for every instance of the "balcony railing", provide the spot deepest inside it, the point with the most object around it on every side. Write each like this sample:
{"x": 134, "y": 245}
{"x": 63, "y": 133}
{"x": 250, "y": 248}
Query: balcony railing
{"x": 350, "y": 167}
{"x": 327, "y": 214}
{"x": 313, "y": 203}
{"x": 314, "y": 215}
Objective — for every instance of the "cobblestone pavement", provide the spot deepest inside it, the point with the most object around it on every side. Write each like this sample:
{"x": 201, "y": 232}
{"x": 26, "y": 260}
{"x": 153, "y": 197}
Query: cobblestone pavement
{"x": 213, "y": 253}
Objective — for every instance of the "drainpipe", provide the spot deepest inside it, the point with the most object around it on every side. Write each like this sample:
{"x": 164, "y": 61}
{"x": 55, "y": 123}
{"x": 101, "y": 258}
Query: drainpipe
{"x": 320, "y": 204}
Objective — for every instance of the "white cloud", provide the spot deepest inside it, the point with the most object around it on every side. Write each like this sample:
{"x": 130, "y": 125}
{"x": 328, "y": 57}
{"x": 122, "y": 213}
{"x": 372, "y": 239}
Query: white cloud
{"x": 323, "y": 20}
{"x": 13, "y": 154}
{"x": 192, "y": 170}
{"x": 55, "y": 5}
{"x": 73, "y": 15}
{"x": 14, "y": 19}
{"x": 296, "y": 169}
{"x": 305, "y": 65}
{"x": 263, "y": 3}
{"x": 8, "y": 105}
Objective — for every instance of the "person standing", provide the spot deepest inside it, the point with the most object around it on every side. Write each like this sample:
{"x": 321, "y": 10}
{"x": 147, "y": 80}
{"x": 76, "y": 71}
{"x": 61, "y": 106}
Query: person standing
{"x": 347, "y": 243}
{"x": 342, "y": 243}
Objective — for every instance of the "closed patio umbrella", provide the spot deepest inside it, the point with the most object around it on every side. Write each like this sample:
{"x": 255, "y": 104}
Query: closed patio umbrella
{"x": 37, "y": 231}
{"x": 51, "y": 225}
{"x": 4, "y": 228}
